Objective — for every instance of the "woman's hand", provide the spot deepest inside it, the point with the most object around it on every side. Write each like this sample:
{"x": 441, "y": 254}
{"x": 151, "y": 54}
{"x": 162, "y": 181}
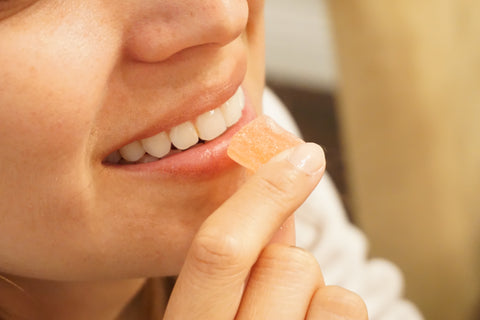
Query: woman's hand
{"x": 232, "y": 271}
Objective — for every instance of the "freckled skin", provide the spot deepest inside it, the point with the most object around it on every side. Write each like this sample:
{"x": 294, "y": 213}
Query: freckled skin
{"x": 79, "y": 77}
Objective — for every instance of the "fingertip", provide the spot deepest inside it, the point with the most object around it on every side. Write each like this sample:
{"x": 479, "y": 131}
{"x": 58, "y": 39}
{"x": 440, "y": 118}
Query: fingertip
{"x": 332, "y": 302}
{"x": 308, "y": 157}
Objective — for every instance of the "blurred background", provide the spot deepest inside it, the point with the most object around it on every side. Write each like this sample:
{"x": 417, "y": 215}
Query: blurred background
{"x": 301, "y": 70}
{"x": 391, "y": 91}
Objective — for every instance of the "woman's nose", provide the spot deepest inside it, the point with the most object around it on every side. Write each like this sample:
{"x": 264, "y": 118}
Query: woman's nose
{"x": 163, "y": 28}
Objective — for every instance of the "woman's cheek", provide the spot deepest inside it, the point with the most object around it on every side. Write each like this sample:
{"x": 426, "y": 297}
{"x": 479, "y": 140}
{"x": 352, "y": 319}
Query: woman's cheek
{"x": 255, "y": 37}
{"x": 46, "y": 123}
{"x": 55, "y": 65}
{"x": 44, "y": 137}
{"x": 44, "y": 169}
{"x": 51, "y": 86}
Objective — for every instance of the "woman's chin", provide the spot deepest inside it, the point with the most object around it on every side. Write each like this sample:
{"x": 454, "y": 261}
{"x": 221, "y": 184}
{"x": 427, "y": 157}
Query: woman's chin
{"x": 153, "y": 240}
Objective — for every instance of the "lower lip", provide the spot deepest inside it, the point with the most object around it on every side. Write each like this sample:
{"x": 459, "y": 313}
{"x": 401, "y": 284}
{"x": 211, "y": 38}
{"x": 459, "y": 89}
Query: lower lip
{"x": 202, "y": 160}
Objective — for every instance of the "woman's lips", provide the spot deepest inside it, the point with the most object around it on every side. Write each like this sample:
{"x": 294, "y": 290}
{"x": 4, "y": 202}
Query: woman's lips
{"x": 201, "y": 159}
{"x": 205, "y": 127}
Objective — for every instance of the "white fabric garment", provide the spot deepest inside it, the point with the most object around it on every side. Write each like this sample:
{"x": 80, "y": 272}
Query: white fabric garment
{"x": 341, "y": 248}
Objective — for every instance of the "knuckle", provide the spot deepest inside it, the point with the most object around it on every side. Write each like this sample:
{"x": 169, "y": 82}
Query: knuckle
{"x": 356, "y": 305}
{"x": 218, "y": 254}
{"x": 279, "y": 188}
{"x": 342, "y": 302}
{"x": 292, "y": 260}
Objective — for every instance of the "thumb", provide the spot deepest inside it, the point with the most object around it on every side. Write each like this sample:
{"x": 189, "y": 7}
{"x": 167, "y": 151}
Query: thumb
{"x": 231, "y": 239}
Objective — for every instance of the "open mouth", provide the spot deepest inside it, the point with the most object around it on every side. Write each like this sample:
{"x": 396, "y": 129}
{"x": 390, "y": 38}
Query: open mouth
{"x": 184, "y": 136}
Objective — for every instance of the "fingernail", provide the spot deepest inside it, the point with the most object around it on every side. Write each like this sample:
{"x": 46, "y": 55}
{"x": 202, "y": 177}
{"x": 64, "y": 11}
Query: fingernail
{"x": 308, "y": 157}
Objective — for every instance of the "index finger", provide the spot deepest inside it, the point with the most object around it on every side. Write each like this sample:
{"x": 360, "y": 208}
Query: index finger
{"x": 231, "y": 239}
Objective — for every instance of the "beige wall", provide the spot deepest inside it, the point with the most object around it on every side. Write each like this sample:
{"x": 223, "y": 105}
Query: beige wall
{"x": 295, "y": 57}
{"x": 409, "y": 94}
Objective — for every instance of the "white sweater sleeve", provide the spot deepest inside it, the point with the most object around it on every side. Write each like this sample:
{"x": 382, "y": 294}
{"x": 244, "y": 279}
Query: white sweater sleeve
{"x": 340, "y": 247}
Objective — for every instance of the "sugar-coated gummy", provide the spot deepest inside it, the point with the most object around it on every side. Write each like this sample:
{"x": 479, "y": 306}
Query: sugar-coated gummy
{"x": 259, "y": 141}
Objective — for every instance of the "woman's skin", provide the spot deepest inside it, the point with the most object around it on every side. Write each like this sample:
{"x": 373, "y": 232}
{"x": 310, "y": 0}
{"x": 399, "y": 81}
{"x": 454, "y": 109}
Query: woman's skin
{"x": 82, "y": 78}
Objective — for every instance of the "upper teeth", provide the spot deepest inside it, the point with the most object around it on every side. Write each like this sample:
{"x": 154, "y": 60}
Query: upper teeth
{"x": 207, "y": 126}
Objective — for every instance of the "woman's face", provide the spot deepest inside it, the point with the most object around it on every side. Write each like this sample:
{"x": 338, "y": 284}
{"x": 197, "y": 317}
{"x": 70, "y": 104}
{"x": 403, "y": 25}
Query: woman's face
{"x": 79, "y": 80}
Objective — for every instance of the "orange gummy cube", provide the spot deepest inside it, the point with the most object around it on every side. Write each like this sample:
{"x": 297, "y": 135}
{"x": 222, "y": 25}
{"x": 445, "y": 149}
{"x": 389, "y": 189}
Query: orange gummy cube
{"x": 259, "y": 141}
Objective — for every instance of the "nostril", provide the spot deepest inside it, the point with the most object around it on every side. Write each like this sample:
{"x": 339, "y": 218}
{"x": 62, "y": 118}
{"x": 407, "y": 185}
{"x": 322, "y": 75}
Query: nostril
{"x": 159, "y": 33}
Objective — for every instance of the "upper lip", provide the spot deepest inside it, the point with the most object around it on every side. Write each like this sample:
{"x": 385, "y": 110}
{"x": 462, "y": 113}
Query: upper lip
{"x": 194, "y": 105}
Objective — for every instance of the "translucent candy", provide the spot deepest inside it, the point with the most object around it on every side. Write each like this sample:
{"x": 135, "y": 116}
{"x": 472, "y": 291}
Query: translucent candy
{"x": 259, "y": 141}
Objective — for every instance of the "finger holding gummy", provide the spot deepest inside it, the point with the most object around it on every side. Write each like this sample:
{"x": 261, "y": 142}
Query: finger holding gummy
{"x": 231, "y": 240}
{"x": 255, "y": 144}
